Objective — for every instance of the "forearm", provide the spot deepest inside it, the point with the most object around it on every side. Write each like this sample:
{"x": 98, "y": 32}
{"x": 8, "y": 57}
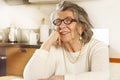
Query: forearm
{"x": 47, "y": 45}
{"x": 39, "y": 66}
{"x": 88, "y": 76}
{"x": 81, "y": 76}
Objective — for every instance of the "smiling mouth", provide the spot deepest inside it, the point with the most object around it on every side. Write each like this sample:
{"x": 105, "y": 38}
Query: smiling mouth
{"x": 64, "y": 33}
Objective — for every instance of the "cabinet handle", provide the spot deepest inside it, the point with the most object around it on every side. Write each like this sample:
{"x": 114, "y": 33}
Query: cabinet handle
{"x": 3, "y": 57}
{"x": 23, "y": 50}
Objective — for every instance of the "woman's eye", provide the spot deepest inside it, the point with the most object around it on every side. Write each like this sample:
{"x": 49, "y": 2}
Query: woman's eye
{"x": 68, "y": 21}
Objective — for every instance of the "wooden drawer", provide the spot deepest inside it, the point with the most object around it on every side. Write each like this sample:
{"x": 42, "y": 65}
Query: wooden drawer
{"x": 17, "y": 59}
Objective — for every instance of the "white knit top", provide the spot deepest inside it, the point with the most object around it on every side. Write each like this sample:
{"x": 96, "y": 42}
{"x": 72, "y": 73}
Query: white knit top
{"x": 93, "y": 63}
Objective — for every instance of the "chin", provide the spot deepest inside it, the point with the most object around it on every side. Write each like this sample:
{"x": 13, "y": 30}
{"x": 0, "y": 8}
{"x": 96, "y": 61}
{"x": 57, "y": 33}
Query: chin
{"x": 65, "y": 40}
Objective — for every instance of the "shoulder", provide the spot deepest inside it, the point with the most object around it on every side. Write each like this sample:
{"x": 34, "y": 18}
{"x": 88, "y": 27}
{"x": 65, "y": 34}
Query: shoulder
{"x": 95, "y": 42}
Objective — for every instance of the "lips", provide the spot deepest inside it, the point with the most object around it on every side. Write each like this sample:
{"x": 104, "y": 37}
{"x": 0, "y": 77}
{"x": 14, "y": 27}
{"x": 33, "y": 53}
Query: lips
{"x": 64, "y": 32}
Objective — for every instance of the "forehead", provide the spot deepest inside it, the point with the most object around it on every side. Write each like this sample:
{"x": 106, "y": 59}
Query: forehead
{"x": 64, "y": 14}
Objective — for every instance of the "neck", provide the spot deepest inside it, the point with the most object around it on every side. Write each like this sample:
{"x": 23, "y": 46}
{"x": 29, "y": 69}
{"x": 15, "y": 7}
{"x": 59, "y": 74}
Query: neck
{"x": 73, "y": 46}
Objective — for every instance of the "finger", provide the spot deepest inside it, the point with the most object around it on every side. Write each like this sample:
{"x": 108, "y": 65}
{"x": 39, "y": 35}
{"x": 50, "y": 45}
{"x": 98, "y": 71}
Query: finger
{"x": 58, "y": 29}
{"x": 59, "y": 41}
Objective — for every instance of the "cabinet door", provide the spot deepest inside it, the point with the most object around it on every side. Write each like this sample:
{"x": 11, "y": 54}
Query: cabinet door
{"x": 2, "y": 61}
{"x": 17, "y": 58}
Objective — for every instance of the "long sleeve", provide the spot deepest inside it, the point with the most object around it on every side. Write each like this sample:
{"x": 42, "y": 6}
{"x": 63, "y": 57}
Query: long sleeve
{"x": 88, "y": 76}
{"x": 99, "y": 65}
{"x": 41, "y": 65}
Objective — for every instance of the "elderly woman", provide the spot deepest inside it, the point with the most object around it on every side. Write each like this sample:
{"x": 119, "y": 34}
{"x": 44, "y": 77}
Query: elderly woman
{"x": 70, "y": 52}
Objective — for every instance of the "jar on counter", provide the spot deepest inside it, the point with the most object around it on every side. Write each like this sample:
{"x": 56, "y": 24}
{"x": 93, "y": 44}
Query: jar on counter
{"x": 12, "y": 34}
{"x": 33, "y": 38}
{"x": 44, "y": 31}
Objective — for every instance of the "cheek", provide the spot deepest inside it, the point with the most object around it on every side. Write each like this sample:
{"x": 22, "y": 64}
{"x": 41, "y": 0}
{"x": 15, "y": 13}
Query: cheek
{"x": 73, "y": 31}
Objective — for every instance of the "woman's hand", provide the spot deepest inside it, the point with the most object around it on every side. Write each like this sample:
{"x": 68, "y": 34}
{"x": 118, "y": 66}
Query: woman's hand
{"x": 58, "y": 77}
{"x": 53, "y": 38}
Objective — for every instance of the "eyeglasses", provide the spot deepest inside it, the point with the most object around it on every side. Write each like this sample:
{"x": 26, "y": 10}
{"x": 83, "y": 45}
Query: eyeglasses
{"x": 67, "y": 20}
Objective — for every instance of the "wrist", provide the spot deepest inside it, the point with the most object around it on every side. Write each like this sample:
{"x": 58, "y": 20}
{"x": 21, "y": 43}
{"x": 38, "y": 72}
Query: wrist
{"x": 46, "y": 45}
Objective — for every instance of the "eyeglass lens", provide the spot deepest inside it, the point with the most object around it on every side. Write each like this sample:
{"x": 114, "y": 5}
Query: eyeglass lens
{"x": 67, "y": 20}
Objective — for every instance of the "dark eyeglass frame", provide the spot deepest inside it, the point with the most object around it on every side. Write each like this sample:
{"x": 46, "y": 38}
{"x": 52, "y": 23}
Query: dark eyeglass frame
{"x": 64, "y": 20}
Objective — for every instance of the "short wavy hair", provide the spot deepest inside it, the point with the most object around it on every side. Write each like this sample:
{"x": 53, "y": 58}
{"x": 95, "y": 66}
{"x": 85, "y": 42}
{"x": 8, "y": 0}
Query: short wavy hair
{"x": 80, "y": 15}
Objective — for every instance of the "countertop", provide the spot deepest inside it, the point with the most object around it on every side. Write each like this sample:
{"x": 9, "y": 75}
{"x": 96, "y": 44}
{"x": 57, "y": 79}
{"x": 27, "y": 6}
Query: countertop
{"x": 20, "y": 45}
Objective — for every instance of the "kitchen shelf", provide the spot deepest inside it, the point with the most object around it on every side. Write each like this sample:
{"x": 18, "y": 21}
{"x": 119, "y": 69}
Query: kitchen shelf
{"x": 50, "y": 1}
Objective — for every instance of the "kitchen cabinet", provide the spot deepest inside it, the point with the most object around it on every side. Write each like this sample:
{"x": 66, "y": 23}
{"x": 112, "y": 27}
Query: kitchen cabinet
{"x": 14, "y": 57}
{"x": 2, "y": 61}
{"x": 16, "y": 60}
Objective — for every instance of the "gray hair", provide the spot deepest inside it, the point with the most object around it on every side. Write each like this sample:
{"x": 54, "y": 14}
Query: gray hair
{"x": 80, "y": 15}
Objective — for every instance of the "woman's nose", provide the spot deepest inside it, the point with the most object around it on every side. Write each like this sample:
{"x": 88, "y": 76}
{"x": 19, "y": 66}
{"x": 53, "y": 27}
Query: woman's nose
{"x": 63, "y": 25}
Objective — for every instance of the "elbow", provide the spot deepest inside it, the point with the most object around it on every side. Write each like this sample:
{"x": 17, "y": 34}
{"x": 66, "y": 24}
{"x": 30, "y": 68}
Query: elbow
{"x": 27, "y": 74}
